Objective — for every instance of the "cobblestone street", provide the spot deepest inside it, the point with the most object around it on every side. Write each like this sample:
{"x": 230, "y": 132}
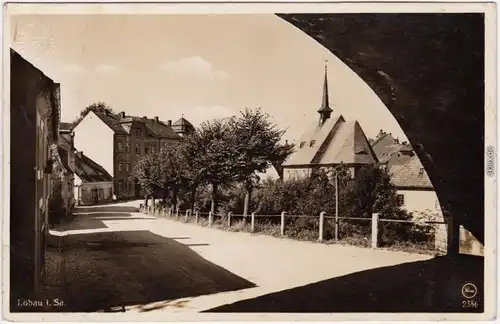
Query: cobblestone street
{"x": 116, "y": 259}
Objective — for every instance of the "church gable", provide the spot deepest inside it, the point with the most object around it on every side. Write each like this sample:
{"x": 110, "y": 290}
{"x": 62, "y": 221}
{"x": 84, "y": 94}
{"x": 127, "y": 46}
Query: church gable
{"x": 312, "y": 141}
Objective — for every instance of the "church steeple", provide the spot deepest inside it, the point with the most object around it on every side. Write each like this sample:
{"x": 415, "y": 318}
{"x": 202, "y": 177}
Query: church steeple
{"x": 325, "y": 111}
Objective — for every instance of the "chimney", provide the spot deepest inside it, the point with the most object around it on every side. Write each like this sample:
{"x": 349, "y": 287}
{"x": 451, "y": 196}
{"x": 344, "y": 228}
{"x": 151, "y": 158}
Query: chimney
{"x": 169, "y": 122}
{"x": 145, "y": 117}
{"x": 156, "y": 119}
{"x": 122, "y": 114}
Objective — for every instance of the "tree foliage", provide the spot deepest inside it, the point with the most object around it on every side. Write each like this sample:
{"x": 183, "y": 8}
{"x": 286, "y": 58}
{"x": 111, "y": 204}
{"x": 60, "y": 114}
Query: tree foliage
{"x": 99, "y": 106}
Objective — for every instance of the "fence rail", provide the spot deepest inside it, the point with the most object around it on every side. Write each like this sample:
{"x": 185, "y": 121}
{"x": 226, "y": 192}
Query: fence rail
{"x": 319, "y": 222}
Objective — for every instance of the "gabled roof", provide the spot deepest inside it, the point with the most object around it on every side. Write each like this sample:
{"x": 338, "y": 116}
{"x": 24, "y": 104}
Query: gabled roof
{"x": 112, "y": 122}
{"x": 160, "y": 129}
{"x": 411, "y": 175}
{"x": 90, "y": 171}
{"x": 183, "y": 122}
{"x": 154, "y": 128}
{"x": 333, "y": 142}
{"x": 383, "y": 145}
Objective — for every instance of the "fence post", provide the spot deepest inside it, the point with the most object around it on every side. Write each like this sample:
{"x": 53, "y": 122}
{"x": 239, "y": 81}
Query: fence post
{"x": 283, "y": 223}
{"x": 229, "y": 219}
{"x": 186, "y": 215}
{"x": 196, "y": 217}
{"x": 374, "y": 230}
{"x": 210, "y": 220}
{"x": 177, "y": 213}
{"x": 252, "y": 223}
{"x": 321, "y": 225}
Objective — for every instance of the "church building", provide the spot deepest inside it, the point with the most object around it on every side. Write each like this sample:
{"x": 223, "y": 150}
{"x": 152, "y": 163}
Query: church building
{"x": 329, "y": 142}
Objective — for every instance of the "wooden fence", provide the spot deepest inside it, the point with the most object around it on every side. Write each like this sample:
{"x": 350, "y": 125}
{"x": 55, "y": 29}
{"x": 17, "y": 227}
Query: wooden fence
{"x": 375, "y": 220}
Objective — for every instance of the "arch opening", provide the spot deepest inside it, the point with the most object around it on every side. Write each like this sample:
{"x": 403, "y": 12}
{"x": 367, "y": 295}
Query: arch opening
{"x": 417, "y": 65}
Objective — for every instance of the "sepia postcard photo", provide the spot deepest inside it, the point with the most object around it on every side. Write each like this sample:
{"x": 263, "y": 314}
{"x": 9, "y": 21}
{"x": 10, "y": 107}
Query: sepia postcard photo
{"x": 249, "y": 162}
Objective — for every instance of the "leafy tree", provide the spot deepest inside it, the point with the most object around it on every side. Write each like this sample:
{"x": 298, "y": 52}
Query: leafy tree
{"x": 255, "y": 141}
{"x": 145, "y": 171}
{"x": 376, "y": 194}
{"x": 96, "y": 107}
{"x": 210, "y": 157}
{"x": 172, "y": 173}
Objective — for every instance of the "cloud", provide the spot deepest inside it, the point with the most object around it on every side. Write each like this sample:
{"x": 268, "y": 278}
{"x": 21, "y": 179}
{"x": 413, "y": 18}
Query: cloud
{"x": 194, "y": 66}
{"x": 106, "y": 69}
{"x": 198, "y": 114}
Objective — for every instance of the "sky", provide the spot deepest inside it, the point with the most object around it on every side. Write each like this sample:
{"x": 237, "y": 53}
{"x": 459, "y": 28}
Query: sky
{"x": 199, "y": 66}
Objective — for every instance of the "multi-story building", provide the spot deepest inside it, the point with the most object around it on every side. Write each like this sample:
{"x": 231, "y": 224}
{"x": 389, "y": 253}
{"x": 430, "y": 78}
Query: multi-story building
{"x": 117, "y": 142}
{"x": 329, "y": 142}
{"x": 34, "y": 118}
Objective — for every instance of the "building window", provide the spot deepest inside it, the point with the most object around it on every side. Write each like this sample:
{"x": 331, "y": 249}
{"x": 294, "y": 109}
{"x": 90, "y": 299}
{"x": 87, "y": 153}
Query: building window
{"x": 401, "y": 199}
{"x": 421, "y": 172}
{"x": 110, "y": 192}
{"x": 153, "y": 149}
{"x": 120, "y": 166}
{"x": 138, "y": 132}
{"x": 127, "y": 147}
{"x": 311, "y": 144}
{"x": 101, "y": 193}
{"x": 120, "y": 146}
{"x": 146, "y": 149}
{"x": 120, "y": 186}
{"x": 138, "y": 148}
{"x": 302, "y": 144}
{"x": 127, "y": 166}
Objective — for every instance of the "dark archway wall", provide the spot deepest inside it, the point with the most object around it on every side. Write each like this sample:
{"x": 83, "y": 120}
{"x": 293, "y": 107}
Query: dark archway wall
{"x": 428, "y": 69}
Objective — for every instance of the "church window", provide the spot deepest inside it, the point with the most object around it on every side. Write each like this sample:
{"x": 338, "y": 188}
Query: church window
{"x": 311, "y": 144}
{"x": 302, "y": 144}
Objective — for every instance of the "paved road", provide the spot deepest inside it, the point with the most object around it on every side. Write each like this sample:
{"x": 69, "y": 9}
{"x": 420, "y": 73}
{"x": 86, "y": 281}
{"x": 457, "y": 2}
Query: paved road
{"x": 116, "y": 257}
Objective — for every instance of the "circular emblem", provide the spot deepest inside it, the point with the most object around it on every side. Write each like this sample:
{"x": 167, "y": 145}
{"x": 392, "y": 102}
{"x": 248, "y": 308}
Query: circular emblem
{"x": 469, "y": 290}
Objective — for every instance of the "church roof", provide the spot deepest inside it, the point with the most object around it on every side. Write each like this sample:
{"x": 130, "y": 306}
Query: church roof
{"x": 333, "y": 142}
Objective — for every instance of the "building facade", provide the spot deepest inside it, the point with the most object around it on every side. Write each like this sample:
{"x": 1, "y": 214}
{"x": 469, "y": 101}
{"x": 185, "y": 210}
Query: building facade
{"x": 117, "y": 142}
{"x": 34, "y": 113}
{"x": 66, "y": 152}
{"x": 329, "y": 142}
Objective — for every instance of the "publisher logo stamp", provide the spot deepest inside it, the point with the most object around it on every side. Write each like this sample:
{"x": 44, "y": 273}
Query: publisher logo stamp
{"x": 469, "y": 290}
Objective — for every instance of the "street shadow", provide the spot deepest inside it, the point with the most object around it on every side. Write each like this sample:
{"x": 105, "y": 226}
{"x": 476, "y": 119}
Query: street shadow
{"x": 102, "y": 214}
{"x": 87, "y": 224}
{"x": 105, "y": 208}
{"x": 105, "y": 270}
{"x": 426, "y": 286}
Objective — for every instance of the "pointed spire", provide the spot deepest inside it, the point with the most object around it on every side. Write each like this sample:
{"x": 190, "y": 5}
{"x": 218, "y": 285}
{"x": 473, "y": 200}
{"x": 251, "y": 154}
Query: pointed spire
{"x": 325, "y": 110}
